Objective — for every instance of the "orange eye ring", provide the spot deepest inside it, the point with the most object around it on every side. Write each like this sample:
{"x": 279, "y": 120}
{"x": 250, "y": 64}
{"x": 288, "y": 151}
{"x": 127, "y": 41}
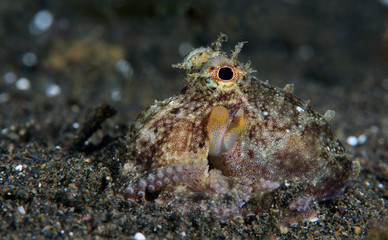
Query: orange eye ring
{"x": 225, "y": 74}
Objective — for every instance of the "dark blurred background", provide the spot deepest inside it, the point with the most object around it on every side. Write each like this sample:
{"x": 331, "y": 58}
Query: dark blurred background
{"x": 61, "y": 58}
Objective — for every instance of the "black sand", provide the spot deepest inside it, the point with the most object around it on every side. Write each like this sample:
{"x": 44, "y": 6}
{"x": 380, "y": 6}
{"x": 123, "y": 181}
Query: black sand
{"x": 51, "y": 186}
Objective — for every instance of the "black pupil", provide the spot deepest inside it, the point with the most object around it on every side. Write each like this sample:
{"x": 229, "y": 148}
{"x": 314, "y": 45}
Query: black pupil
{"x": 225, "y": 73}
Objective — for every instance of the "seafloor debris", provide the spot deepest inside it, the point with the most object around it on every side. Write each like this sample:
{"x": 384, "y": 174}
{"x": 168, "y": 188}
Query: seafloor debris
{"x": 92, "y": 124}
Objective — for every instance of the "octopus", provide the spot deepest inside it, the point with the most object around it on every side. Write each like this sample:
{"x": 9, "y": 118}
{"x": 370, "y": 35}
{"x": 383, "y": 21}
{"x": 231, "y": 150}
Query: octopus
{"x": 228, "y": 140}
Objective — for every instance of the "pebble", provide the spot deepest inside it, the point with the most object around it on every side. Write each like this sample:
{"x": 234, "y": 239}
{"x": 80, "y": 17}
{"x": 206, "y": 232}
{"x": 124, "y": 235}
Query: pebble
{"x": 352, "y": 141}
{"x": 139, "y": 236}
{"x": 19, "y": 168}
{"x": 22, "y": 210}
{"x": 23, "y": 84}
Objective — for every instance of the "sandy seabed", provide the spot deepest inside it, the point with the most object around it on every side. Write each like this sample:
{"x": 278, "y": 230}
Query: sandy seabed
{"x": 61, "y": 60}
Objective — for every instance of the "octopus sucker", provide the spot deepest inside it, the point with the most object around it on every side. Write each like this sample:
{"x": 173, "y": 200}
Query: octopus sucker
{"x": 229, "y": 142}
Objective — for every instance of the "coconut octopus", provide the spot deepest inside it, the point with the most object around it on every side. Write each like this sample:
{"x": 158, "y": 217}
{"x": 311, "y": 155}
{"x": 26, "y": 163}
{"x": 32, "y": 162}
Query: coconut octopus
{"x": 228, "y": 139}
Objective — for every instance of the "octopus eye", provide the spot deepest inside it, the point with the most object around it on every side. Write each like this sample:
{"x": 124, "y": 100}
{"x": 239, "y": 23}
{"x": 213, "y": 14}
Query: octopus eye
{"x": 225, "y": 73}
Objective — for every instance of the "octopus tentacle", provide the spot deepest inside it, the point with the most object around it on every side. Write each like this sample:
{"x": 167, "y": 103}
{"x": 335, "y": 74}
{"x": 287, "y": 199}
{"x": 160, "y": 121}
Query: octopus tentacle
{"x": 232, "y": 194}
{"x": 155, "y": 180}
{"x": 225, "y": 196}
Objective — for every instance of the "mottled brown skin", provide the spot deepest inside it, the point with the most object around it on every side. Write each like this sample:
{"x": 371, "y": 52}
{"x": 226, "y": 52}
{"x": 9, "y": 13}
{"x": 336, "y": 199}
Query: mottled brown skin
{"x": 286, "y": 143}
{"x": 283, "y": 139}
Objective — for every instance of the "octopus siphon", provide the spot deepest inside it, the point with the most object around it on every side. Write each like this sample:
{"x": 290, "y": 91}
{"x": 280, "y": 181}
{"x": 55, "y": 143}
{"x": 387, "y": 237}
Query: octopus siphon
{"x": 228, "y": 140}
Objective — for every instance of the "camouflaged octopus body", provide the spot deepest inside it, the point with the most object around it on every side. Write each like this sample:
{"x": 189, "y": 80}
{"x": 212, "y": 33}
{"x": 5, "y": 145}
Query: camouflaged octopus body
{"x": 228, "y": 136}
